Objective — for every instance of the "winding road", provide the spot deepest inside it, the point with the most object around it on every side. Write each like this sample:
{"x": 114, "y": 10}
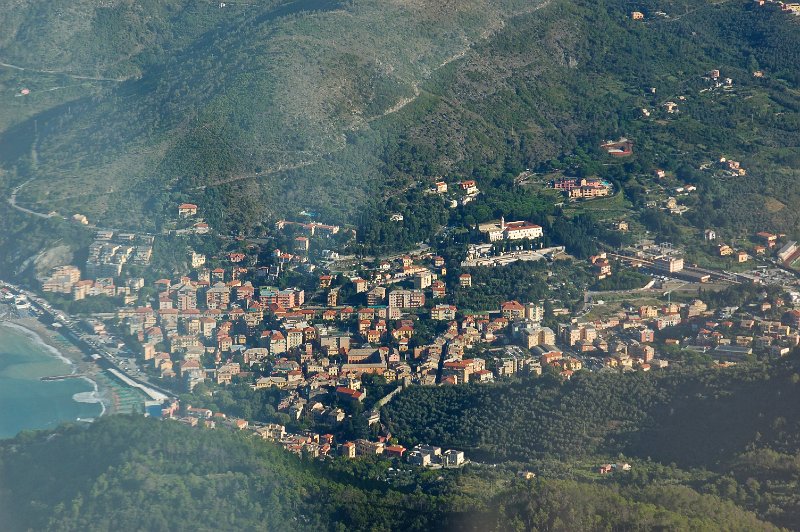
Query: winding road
{"x": 12, "y": 200}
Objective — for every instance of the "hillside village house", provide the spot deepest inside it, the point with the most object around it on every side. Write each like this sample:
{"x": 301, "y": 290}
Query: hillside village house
{"x": 197, "y": 260}
{"x": 469, "y": 186}
{"x": 793, "y": 8}
{"x": 768, "y": 238}
{"x": 535, "y": 335}
{"x": 360, "y": 285}
{"x": 788, "y": 251}
{"x": 582, "y": 188}
{"x": 187, "y": 209}
{"x": 312, "y": 228}
{"x": 601, "y": 265}
{"x": 620, "y": 148}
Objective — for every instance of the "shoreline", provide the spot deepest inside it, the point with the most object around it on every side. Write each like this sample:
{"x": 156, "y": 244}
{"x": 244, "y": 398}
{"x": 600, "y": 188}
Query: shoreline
{"x": 38, "y": 338}
{"x": 91, "y": 397}
{"x": 58, "y": 346}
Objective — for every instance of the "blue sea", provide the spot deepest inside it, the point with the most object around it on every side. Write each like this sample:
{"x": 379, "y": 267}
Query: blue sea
{"x": 26, "y": 402}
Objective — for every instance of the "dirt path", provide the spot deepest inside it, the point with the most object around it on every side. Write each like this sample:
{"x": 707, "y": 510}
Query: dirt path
{"x": 59, "y": 72}
{"x": 279, "y": 168}
{"x": 458, "y": 55}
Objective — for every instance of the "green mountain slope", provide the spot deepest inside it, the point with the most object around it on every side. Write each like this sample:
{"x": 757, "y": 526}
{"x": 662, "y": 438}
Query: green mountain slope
{"x": 736, "y": 421}
{"x": 266, "y": 87}
{"x": 97, "y": 39}
{"x": 127, "y": 473}
{"x": 63, "y": 51}
{"x": 265, "y": 108}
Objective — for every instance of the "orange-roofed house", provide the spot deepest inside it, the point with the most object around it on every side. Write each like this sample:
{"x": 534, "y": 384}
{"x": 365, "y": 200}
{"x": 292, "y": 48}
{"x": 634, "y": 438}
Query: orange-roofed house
{"x": 373, "y": 336}
{"x": 224, "y": 343}
{"x": 549, "y": 358}
{"x": 348, "y": 394}
{"x": 439, "y": 289}
{"x": 348, "y": 449}
{"x": 187, "y": 209}
{"x": 469, "y": 186}
{"x": 395, "y": 451}
{"x": 360, "y": 285}
{"x": 403, "y": 332}
{"x": 768, "y": 238}
{"x": 513, "y": 310}
{"x": 483, "y": 375}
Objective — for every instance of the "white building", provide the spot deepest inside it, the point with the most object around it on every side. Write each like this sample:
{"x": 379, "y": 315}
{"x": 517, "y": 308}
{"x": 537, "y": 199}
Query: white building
{"x": 197, "y": 259}
{"x": 511, "y": 230}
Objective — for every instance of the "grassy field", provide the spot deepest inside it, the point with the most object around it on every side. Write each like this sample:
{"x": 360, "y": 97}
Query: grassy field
{"x": 614, "y": 304}
{"x": 615, "y": 207}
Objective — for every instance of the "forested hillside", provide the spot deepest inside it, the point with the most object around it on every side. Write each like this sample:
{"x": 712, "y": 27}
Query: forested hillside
{"x": 127, "y": 473}
{"x": 258, "y": 109}
{"x": 735, "y": 420}
{"x": 607, "y": 412}
{"x": 255, "y": 89}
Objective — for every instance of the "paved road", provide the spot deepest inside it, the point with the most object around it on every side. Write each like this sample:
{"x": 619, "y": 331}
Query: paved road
{"x": 12, "y": 200}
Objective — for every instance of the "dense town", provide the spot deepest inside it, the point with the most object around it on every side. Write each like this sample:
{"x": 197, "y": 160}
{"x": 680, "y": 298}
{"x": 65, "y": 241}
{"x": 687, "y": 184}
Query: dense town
{"x": 323, "y": 341}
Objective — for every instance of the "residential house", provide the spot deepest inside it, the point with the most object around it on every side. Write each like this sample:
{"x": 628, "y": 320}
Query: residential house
{"x": 350, "y": 395}
{"x": 512, "y": 310}
{"x": 443, "y": 312}
{"x": 186, "y": 210}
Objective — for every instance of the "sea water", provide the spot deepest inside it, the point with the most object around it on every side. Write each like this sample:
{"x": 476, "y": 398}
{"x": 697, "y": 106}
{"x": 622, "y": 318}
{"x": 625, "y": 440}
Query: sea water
{"x": 27, "y": 402}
